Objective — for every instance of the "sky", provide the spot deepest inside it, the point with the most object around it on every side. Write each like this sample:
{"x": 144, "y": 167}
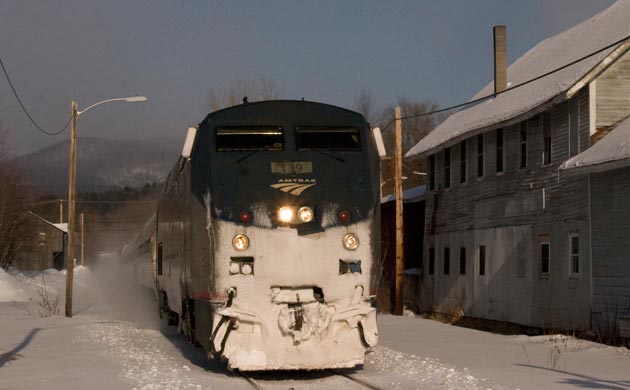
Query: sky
{"x": 177, "y": 52}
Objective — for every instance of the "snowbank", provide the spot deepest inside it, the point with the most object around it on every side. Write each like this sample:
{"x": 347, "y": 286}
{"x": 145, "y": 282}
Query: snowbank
{"x": 20, "y": 286}
{"x": 11, "y": 289}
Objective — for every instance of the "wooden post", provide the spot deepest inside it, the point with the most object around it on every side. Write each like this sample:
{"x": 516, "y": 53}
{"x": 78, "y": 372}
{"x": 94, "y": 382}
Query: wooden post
{"x": 399, "y": 216}
{"x": 60, "y": 210}
{"x": 82, "y": 240}
{"x": 71, "y": 211}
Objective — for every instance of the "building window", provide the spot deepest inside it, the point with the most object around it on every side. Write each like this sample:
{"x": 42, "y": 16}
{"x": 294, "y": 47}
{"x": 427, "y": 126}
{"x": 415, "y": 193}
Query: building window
{"x": 159, "y": 259}
{"x": 41, "y": 239}
{"x": 462, "y": 260}
{"x": 447, "y": 168}
{"x": 447, "y": 261}
{"x": 482, "y": 259}
{"x": 545, "y": 257}
{"x": 462, "y": 162}
{"x": 500, "y": 156}
{"x": 574, "y": 253}
{"x": 523, "y": 149}
{"x": 480, "y": 155}
{"x": 432, "y": 172}
{"x": 546, "y": 157}
{"x": 574, "y": 127}
{"x": 431, "y": 261}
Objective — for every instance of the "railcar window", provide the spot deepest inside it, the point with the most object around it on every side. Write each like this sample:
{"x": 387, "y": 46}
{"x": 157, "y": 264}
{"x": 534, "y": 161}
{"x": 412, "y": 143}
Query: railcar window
{"x": 327, "y": 138}
{"x": 249, "y": 138}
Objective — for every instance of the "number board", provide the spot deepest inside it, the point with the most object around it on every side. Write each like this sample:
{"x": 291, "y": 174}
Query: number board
{"x": 291, "y": 167}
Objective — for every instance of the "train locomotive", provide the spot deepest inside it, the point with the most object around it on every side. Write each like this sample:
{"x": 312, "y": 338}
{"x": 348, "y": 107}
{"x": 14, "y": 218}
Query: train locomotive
{"x": 266, "y": 240}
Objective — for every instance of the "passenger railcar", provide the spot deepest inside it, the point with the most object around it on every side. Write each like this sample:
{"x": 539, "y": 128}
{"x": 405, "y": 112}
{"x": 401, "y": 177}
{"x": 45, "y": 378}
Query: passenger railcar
{"x": 137, "y": 256}
{"x": 267, "y": 238}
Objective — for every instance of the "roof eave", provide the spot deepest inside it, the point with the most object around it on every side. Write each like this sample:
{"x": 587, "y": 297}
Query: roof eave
{"x": 562, "y": 96}
{"x": 597, "y": 167}
{"x": 598, "y": 69}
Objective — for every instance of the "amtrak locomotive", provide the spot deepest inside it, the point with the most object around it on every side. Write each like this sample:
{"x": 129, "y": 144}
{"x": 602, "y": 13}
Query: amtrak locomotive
{"x": 266, "y": 246}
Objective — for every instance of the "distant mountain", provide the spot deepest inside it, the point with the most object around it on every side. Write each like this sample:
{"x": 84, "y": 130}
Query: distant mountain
{"x": 102, "y": 164}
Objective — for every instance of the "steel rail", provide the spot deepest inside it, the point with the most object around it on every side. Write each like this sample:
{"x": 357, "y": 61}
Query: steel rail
{"x": 356, "y": 380}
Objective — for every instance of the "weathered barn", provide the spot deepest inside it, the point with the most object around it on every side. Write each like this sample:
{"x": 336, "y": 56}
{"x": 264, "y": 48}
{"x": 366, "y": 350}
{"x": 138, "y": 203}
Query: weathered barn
{"x": 46, "y": 245}
{"x": 508, "y": 237}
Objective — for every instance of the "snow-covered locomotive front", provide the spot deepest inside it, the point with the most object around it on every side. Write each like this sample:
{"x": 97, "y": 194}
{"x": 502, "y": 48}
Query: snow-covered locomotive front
{"x": 268, "y": 237}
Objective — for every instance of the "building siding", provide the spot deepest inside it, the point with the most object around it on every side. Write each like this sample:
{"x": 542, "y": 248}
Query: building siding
{"x": 507, "y": 212}
{"x": 611, "y": 258}
{"x": 613, "y": 93}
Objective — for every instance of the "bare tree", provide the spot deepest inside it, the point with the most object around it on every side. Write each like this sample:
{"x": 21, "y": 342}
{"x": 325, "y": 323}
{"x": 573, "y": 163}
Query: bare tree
{"x": 262, "y": 88}
{"x": 415, "y": 127}
{"x": 13, "y": 204}
{"x": 365, "y": 104}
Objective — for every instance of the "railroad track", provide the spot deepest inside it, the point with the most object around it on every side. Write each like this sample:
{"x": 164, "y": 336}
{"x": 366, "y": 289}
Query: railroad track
{"x": 356, "y": 380}
{"x": 250, "y": 381}
{"x": 361, "y": 382}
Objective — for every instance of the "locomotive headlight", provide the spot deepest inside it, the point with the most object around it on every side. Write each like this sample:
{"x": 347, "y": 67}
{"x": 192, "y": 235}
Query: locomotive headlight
{"x": 350, "y": 241}
{"x": 240, "y": 242}
{"x": 285, "y": 214}
{"x": 305, "y": 214}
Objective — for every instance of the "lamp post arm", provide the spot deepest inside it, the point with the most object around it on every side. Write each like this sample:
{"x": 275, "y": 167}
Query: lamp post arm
{"x": 132, "y": 99}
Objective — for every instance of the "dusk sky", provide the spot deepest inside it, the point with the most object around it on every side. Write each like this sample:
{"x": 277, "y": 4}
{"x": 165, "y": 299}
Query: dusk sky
{"x": 176, "y": 52}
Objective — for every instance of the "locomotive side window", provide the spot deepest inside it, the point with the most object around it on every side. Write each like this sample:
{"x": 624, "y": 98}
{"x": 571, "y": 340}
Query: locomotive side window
{"x": 327, "y": 138}
{"x": 232, "y": 139}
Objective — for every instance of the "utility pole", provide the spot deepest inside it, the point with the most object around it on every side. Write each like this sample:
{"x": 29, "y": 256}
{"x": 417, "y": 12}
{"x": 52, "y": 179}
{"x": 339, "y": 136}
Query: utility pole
{"x": 71, "y": 198}
{"x": 399, "y": 215}
{"x": 82, "y": 240}
{"x": 74, "y": 116}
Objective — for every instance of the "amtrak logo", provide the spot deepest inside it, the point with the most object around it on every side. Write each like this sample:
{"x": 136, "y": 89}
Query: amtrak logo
{"x": 294, "y": 186}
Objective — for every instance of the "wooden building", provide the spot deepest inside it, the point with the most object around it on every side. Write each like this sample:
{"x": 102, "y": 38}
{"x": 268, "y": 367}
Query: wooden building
{"x": 508, "y": 237}
{"x": 606, "y": 166}
{"x": 45, "y": 246}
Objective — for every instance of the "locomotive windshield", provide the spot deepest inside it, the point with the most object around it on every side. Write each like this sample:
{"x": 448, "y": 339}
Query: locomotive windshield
{"x": 327, "y": 138}
{"x": 230, "y": 139}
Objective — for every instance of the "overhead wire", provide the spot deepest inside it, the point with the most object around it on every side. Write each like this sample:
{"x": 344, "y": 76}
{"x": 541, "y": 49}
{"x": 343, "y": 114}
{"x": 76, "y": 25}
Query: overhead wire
{"x": 17, "y": 97}
{"x": 453, "y": 107}
{"x": 493, "y": 95}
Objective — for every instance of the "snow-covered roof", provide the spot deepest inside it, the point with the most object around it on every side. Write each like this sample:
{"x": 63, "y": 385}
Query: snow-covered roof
{"x": 60, "y": 226}
{"x": 603, "y": 29}
{"x": 413, "y": 194}
{"x": 611, "y": 152}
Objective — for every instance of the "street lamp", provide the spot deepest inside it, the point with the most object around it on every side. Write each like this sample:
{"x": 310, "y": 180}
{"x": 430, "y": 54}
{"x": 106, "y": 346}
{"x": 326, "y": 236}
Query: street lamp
{"x": 74, "y": 112}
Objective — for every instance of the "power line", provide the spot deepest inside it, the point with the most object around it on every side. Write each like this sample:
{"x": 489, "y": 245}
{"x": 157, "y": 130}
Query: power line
{"x": 6, "y": 74}
{"x": 483, "y": 98}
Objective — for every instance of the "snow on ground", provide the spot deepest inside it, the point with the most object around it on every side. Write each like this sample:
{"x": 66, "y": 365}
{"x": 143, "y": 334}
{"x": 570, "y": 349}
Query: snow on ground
{"x": 115, "y": 341}
{"x": 10, "y": 288}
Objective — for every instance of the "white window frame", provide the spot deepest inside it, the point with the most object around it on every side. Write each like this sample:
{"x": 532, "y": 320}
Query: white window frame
{"x": 571, "y": 255}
